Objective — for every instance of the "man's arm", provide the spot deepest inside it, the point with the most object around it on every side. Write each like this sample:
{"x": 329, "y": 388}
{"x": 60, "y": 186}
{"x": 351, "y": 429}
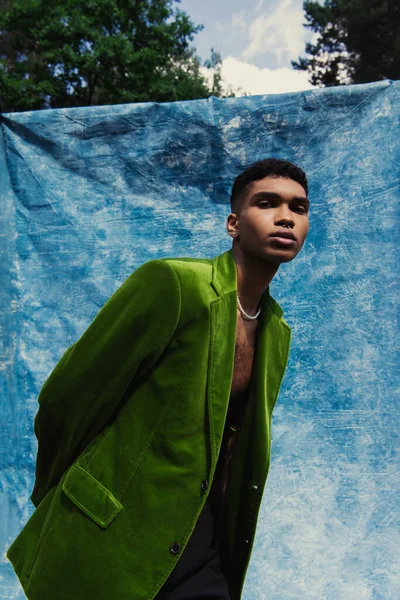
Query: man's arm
{"x": 125, "y": 339}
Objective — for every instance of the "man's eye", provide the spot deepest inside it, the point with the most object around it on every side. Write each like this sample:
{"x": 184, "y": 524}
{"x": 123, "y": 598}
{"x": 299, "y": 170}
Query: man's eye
{"x": 267, "y": 202}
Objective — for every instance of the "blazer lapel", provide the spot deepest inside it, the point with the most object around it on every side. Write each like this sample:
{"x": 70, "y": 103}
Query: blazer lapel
{"x": 250, "y": 462}
{"x": 271, "y": 354}
{"x": 222, "y": 346}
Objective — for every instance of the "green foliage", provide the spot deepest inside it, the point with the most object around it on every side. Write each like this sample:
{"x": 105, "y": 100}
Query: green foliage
{"x": 60, "y": 53}
{"x": 358, "y": 41}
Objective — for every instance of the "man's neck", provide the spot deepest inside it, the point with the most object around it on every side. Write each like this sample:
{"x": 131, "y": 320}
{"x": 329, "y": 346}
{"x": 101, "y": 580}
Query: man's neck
{"x": 253, "y": 278}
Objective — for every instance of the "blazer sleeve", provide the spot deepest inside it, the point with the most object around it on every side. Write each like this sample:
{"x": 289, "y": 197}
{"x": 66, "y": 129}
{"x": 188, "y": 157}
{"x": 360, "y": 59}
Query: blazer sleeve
{"x": 126, "y": 338}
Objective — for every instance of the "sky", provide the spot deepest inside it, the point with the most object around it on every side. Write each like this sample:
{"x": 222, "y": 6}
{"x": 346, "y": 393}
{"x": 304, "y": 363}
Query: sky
{"x": 257, "y": 39}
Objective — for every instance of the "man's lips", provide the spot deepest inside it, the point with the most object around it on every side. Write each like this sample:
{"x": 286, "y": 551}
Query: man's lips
{"x": 283, "y": 241}
{"x": 283, "y": 238}
{"x": 283, "y": 233}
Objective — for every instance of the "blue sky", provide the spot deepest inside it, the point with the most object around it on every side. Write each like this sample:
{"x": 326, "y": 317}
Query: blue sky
{"x": 257, "y": 39}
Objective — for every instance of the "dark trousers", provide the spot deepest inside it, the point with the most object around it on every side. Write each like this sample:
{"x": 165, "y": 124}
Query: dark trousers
{"x": 197, "y": 575}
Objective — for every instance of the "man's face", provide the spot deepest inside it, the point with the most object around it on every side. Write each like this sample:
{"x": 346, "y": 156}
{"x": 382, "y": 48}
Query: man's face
{"x": 272, "y": 204}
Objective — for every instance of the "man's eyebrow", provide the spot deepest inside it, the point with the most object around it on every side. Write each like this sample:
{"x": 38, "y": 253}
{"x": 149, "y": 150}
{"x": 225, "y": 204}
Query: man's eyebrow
{"x": 275, "y": 196}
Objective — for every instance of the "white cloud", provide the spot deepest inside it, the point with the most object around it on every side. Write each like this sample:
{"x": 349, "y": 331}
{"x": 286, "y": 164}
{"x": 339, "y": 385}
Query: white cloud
{"x": 236, "y": 26}
{"x": 259, "y": 6}
{"x": 254, "y": 80}
{"x": 280, "y": 32}
{"x": 239, "y": 20}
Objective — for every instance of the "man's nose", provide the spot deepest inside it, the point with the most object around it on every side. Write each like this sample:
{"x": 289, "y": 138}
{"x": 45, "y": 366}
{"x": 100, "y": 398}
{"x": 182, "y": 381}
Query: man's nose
{"x": 284, "y": 215}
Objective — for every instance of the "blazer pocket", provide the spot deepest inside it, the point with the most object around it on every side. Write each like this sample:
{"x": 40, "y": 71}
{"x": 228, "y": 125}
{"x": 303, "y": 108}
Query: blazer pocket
{"x": 92, "y": 497}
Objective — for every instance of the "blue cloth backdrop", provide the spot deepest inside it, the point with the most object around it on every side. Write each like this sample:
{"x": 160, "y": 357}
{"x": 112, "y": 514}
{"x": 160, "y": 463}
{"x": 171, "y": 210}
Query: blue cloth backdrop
{"x": 89, "y": 194}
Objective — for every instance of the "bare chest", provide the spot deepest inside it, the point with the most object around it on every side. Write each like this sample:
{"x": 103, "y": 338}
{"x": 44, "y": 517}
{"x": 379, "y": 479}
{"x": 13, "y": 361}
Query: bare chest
{"x": 246, "y": 333}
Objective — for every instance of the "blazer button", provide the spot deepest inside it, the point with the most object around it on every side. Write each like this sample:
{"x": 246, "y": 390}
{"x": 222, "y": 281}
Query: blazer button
{"x": 204, "y": 485}
{"x": 175, "y": 547}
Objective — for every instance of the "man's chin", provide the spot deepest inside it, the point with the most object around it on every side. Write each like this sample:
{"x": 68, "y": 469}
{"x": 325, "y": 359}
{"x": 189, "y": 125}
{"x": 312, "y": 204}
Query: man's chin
{"x": 276, "y": 258}
{"x": 265, "y": 254}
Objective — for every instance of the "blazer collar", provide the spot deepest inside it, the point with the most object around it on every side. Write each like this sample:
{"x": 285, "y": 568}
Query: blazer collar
{"x": 224, "y": 281}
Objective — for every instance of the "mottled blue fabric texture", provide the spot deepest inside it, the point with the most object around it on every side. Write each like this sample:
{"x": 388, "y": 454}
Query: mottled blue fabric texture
{"x": 89, "y": 194}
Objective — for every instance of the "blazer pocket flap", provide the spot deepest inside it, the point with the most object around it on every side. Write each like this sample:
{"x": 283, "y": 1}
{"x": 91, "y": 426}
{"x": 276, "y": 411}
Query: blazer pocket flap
{"x": 95, "y": 500}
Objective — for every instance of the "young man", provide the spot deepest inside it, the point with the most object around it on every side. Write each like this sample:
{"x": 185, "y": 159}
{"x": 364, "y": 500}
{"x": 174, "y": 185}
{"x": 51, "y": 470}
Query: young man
{"x": 154, "y": 428}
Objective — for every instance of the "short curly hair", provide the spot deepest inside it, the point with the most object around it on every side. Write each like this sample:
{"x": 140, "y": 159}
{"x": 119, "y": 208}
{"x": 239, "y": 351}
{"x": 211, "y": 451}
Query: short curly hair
{"x": 269, "y": 167}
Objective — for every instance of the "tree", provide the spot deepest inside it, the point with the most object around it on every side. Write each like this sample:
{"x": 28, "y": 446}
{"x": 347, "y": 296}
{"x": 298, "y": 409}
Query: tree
{"x": 214, "y": 64}
{"x": 60, "y": 53}
{"x": 358, "y": 41}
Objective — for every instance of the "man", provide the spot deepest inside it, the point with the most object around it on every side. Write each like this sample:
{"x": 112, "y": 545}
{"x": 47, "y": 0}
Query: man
{"x": 154, "y": 427}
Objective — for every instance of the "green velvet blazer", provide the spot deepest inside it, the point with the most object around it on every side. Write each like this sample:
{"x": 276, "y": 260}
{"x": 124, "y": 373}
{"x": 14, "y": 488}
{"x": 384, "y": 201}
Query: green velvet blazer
{"x": 129, "y": 428}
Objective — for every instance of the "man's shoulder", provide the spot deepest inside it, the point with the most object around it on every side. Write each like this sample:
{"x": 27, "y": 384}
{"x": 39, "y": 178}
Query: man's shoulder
{"x": 190, "y": 272}
{"x": 194, "y": 276}
{"x": 179, "y": 264}
{"x": 189, "y": 266}
{"x": 187, "y": 260}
